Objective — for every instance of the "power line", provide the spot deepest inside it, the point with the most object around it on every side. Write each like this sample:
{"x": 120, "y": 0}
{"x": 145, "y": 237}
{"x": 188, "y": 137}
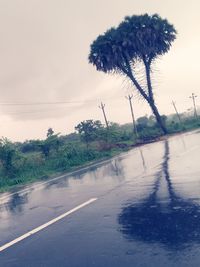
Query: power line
{"x": 32, "y": 112}
{"x": 55, "y": 103}
{"x": 43, "y": 103}
{"x": 28, "y": 112}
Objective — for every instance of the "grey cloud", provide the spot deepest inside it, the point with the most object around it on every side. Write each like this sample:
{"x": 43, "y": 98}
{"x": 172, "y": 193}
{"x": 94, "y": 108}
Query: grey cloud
{"x": 43, "y": 58}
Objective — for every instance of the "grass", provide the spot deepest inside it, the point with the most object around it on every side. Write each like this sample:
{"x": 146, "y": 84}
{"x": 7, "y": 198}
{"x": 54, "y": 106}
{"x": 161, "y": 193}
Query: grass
{"x": 50, "y": 169}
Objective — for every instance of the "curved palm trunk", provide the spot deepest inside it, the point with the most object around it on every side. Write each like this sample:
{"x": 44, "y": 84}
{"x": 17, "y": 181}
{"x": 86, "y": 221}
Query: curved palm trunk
{"x": 157, "y": 115}
{"x": 148, "y": 96}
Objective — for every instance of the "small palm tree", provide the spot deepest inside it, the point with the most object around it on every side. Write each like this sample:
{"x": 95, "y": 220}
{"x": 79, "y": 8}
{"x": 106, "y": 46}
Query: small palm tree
{"x": 137, "y": 39}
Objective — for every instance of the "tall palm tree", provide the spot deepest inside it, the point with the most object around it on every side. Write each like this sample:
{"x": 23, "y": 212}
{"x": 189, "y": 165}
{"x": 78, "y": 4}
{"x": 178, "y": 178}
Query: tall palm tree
{"x": 137, "y": 39}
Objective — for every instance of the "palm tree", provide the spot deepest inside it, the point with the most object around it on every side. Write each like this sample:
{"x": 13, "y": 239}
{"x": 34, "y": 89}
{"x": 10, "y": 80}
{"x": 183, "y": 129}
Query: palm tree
{"x": 137, "y": 39}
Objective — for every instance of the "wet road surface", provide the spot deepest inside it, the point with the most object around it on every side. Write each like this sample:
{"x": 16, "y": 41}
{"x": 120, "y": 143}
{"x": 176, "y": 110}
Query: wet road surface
{"x": 146, "y": 212}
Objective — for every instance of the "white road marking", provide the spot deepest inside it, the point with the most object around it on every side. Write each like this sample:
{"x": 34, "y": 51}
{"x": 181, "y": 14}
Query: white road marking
{"x": 43, "y": 226}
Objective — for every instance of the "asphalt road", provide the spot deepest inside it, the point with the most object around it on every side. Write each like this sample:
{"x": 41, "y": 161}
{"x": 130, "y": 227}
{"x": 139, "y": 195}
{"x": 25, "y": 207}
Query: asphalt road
{"x": 139, "y": 209}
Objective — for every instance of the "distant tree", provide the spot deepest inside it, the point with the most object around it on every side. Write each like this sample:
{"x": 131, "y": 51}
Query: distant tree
{"x": 29, "y": 146}
{"x": 88, "y": 130}
{"x": 115, "y": 133}
{"x": 50, "y": 132}
{"x": 164, "y": 119}
{"x": 141, "y": 39}
{"x": 45, "y": 146}
{"x": 152, "y": 120}
{"x": 72, "y": 137}
{"x": 50, "y": 143}
{"x": 142, "y": 122}
{"x": 8, "y": 154}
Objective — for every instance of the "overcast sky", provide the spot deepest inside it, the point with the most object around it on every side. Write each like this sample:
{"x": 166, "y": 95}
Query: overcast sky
{"x": 43, "y": 58}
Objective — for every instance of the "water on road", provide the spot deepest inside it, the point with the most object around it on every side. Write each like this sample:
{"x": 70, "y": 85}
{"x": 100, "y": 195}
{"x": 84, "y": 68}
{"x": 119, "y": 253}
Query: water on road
{"x": 147, "y": 212}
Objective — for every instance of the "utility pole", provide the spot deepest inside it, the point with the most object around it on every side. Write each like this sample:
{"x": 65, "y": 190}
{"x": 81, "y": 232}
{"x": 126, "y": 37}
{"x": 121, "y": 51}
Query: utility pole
{"x": 129, "y": 97}
{"x": 179, "y": 118}
{"x": 193, "y": 96}
{"x": 102, "y": 107}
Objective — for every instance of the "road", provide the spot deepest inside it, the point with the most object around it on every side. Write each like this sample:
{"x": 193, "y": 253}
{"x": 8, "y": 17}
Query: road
{"x": 139, "y": 209}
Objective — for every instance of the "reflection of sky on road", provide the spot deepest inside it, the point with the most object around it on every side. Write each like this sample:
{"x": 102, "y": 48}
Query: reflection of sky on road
{"x": 166, "y": 216}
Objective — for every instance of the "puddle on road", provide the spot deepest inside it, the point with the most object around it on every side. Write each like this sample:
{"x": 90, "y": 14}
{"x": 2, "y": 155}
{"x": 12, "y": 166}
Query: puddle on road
{"x": 166, "y": 219}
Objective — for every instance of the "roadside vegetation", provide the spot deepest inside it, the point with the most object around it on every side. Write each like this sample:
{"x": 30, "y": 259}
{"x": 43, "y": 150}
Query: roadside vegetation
{"x": 33, "y": 160}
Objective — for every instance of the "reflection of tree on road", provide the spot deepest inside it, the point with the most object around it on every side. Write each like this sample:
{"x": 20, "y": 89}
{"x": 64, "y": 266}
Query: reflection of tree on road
{"x": 16, "y": 203}
{"x": 142, "y": 157}
{"x": 174, "y": 222}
